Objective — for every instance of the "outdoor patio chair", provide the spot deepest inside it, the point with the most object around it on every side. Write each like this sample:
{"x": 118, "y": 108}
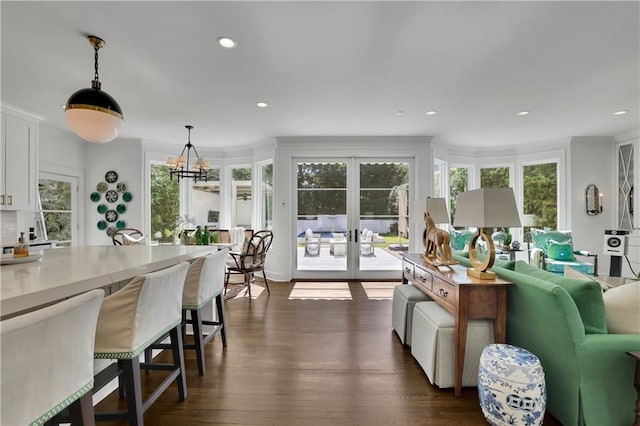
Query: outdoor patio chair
{"x": 311, "y": 243}
{"x": 367, "y": 244}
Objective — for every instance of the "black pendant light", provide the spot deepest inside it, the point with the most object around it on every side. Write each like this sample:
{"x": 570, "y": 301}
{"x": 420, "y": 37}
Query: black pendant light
{"x": 180, "y": 167}
{"x": 93, "y": 114}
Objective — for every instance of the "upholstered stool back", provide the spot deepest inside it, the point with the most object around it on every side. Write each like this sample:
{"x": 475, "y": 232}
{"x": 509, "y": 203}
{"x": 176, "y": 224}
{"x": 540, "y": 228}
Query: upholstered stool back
{"x": 137, "y": 315}
{"x": 47, "y": 359}
{"x": 205, "y": 280}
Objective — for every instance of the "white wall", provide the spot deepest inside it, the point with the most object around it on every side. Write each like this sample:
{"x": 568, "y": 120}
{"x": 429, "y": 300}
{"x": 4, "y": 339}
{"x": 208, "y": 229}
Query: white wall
{"x": 124, "y": 156}
{"x": 591, "y": 161}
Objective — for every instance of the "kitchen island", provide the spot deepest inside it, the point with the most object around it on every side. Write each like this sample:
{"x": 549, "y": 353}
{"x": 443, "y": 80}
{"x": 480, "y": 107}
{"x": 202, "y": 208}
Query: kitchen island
{"x": 64, "y": 272}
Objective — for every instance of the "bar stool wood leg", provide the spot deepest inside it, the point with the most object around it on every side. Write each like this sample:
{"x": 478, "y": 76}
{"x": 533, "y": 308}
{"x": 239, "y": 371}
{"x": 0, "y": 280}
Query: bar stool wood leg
{"x": 196, "y": 322}
{"x": 178, "y": 360}
{"x": 81, "y": 411}
{"x": 221, "y": 319}
{"x": 133, "y": 389}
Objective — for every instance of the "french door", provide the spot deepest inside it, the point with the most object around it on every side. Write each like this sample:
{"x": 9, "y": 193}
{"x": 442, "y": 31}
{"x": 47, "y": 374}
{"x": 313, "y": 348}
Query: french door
{"x": 352, "y": 217}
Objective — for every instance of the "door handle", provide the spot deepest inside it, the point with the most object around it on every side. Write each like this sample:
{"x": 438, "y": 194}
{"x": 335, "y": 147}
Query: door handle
{"x": 356, "y": 234}
{"x": 349, "y": 235}
{"x": 10, "y": 200}
{"x": 2, "y": 203}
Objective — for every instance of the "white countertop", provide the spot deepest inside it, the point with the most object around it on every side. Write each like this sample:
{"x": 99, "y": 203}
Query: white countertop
{"x": 67, "y": 271}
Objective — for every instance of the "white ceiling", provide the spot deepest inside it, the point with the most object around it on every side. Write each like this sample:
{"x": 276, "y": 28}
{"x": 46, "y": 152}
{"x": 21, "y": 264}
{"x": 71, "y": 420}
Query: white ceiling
{"x": 334, "y": 68}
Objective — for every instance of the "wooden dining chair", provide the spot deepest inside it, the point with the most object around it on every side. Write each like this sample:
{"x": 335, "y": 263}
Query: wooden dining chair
{"x": 128, "y": 236}
{"x": 251, "y": 259}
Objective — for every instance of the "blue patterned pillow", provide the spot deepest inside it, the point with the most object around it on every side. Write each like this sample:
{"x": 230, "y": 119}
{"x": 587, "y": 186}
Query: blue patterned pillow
{"x": 541, "y": 238}
{"x": 459, "y": 239}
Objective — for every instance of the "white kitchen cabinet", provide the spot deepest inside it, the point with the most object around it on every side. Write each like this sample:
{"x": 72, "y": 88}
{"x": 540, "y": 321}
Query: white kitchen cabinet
{"x": 18, "y": 158}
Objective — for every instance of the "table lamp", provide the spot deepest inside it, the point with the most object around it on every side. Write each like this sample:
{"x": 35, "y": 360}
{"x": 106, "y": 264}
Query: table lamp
{"x": 485, "y": 208}
{"x": 437, "y": 210}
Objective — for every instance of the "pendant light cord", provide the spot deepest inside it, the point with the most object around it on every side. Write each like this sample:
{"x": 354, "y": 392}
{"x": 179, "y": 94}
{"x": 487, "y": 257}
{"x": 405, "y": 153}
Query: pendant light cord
{"x": 95, "y": 84}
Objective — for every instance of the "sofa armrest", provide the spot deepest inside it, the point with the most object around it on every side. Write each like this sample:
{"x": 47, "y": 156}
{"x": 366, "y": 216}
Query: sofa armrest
{"x": 606, "y": 378}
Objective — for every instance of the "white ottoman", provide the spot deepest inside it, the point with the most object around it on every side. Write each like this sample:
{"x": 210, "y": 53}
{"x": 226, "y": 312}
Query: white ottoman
{"x": 433, "y": 344}
{"x": 405, "y": 297}
{"x": 511, "y": 386}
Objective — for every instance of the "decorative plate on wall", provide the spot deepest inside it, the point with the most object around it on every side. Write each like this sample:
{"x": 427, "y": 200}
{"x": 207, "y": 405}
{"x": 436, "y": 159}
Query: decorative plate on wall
{"x": 102, "y": 187}
{"x": 111, "y": 196}
{"x": 121, "y": 208}
{"x": 121, "y": 224}
{"x": 111, "y": 176}
{"x": 102, "y": 208}
{"x": 95, "y": 196}
{"x": 111, "y": 230}
{"x": 111, "y": 216}
{"x": 121, "y": 186}
{"x": 127, "y": 196}
{"x": 102, "y": 225}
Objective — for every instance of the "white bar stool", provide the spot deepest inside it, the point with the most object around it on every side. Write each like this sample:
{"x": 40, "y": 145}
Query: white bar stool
{"x": 204, "y": 282}
{"x": 132, "y": 319}
{"x": 47, "y": 362}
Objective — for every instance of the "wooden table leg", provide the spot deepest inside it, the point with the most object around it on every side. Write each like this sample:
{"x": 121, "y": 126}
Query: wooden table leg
{"x": 462, "y": 320}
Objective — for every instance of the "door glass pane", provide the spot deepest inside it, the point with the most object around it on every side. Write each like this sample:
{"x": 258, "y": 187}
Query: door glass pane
{"x": 384, "y": 215}
{"x": 241, "y": 207}
{"x": 322, "y": 216}
{"x": 540, "y": 186}
{"x": 205, "y": 201}
{"x": 165, "y": 205}
{"x": 494, "y": 177}
{"x": 56, "y": 202}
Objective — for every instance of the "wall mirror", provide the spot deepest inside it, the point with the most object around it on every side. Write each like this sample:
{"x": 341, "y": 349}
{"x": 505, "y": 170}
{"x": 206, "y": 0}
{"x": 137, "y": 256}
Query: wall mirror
{"x": 594, "y": 200}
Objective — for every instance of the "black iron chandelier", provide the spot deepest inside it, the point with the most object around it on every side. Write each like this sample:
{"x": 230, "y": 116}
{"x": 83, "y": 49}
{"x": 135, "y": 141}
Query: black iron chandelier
{"x": 180, "y": 167}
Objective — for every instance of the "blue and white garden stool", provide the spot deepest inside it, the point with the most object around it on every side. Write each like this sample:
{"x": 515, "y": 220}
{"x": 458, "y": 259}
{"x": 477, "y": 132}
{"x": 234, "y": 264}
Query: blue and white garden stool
{"x": 511, "y": 386}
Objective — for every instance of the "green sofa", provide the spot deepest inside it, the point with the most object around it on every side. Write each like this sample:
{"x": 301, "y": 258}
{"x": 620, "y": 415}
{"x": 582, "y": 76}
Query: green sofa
{"x": 589, "y": 376}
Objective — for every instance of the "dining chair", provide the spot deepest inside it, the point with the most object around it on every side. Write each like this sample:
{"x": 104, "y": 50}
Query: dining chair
{"x": 251, "y": 259}
{"x": 132, "y": 319}
{"x": 128, "y": 236}
{"x": 47, "y": 362}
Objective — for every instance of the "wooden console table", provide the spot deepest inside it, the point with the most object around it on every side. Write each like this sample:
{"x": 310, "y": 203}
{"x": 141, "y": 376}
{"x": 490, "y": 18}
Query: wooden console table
{"x": 463, "y": 296}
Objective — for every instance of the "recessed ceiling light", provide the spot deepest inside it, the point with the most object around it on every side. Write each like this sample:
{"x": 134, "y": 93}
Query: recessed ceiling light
{"x": 262, "y": 104}
{"x": 432, "y": 112}
{"x": 521, "y": 113}
{"x": 621, "y": 112}
{"x": 399, "y": 112}
{"x": 227, "y": 42}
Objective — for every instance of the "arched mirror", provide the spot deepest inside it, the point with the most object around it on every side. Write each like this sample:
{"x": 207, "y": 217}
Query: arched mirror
{"x": 594, "y": 200}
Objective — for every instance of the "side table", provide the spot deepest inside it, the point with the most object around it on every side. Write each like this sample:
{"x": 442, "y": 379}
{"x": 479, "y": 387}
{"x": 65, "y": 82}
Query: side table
{"x": 464, "y": 297}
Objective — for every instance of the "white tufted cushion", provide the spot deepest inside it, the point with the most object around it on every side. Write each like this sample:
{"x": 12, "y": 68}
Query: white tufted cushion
{"x": 205, "y": 280}
{"x": 622, "y": 306}
{"x": 47, "y": 359}
{"x": 142, "y": 311}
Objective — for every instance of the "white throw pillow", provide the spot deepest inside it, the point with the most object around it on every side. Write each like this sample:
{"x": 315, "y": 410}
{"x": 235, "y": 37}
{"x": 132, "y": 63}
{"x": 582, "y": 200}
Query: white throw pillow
{"x": 622, "y": 305}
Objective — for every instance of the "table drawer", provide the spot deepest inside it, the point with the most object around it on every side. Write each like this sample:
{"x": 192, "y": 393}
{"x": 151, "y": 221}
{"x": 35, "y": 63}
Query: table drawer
{"x": 423, "y": 277}
{"x": 445, "y": 291}
{"x": 407, "y": 270}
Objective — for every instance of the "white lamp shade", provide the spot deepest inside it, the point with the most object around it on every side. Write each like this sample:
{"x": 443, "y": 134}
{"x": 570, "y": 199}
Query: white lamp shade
{"x": 487, "y": 208}
{"x": 93, "y": 125}
{"x": 437, "y": 208}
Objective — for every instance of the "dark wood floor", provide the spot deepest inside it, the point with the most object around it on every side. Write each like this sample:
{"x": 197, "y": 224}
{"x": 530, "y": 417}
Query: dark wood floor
{"x": 304, "y": 362}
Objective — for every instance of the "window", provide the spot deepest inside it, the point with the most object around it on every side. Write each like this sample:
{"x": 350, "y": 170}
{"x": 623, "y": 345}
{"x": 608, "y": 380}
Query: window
{"x": 165, "y": 204}
{"x": 56, "y": 218}
{"x": 205, "y": 199}
{"x": 458, "y": 183}
{"x": 438, "y": 179}
{"x": 266, "y": 195}
{"x": 241, "y": 197}
{"x": 494, "y": 177}
{"x": 540, "y": 189}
